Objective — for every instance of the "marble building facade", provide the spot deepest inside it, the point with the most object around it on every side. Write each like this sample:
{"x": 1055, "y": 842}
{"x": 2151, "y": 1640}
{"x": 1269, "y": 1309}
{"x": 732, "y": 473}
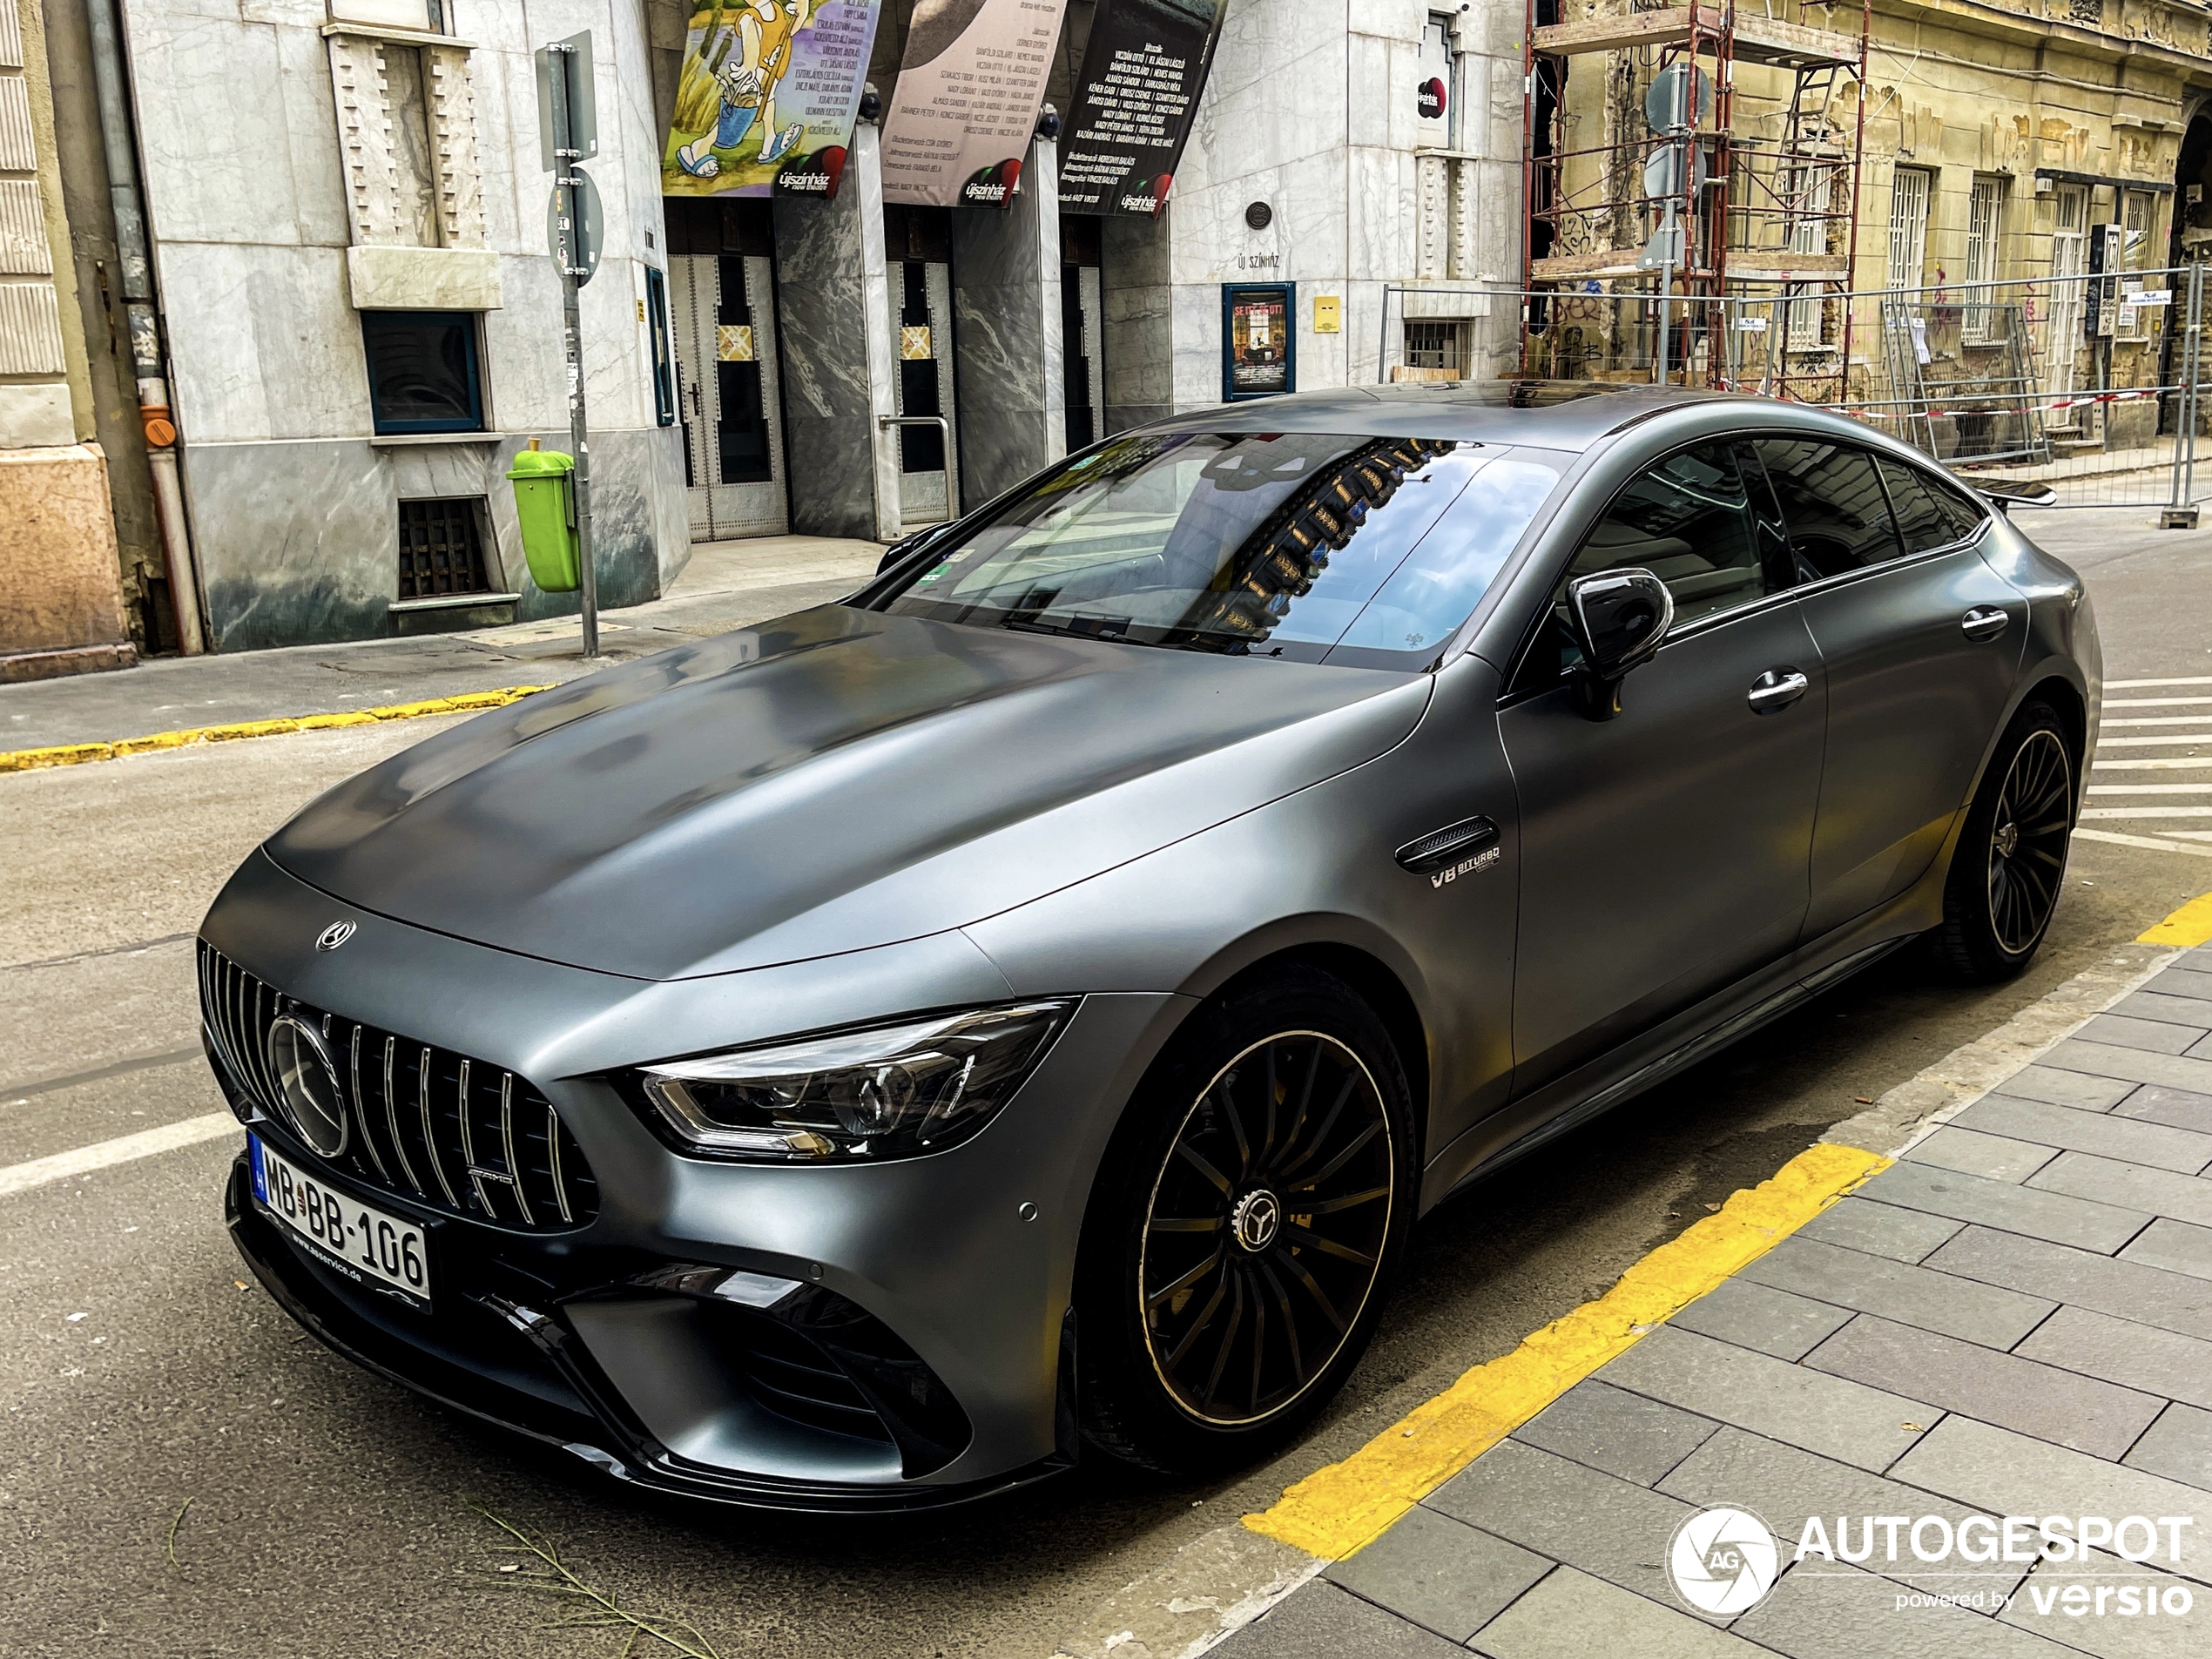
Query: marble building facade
{"x": 311, "y": 166}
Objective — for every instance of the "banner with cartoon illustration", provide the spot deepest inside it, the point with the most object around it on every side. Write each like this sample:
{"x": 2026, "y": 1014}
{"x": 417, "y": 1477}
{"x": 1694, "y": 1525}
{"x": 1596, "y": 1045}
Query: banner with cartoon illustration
{"x": 1142, "y": 75}
{"x": 969, "y": 87}
{"x": 767, "y": 97}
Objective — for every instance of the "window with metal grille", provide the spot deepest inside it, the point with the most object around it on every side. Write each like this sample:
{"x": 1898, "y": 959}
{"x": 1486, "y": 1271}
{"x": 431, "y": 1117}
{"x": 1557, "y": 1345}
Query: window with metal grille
{"x": 1433, "y": 346}
{"x": 1908, "y": 227}
{"x": 1984, "y": 212}
{"x": 441, "y": 548}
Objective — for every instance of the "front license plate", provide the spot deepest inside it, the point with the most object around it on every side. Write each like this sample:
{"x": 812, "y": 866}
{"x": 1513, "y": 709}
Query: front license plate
{"x": 365, "y": 1244}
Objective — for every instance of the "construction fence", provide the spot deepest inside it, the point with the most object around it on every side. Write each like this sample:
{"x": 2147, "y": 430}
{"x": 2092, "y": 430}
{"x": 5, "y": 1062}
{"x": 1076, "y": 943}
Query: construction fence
{"x": 2089, "y": 385}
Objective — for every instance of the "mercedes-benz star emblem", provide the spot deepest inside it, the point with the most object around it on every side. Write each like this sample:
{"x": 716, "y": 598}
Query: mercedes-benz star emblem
{"x": 334, "y": 935}
{"x": 1254, "y": 1220}
{"x": 306, "y": 1078}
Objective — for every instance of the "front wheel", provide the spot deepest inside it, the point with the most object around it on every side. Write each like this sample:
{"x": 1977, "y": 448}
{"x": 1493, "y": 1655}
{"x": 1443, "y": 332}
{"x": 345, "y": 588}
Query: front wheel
{"x": 2010, "y": 867}
{"x": 1243, "y": 1228}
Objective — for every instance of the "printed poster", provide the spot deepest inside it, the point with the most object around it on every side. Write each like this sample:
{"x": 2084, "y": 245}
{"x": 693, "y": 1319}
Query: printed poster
{"x": 966, "y": 100}
{"x": 1142, "y": 75}
{"x": 766, "y": 97}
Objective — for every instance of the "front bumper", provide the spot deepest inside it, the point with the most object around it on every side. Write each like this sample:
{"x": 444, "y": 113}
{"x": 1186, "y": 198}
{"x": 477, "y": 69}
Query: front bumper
{"x": 510, "y": 1364}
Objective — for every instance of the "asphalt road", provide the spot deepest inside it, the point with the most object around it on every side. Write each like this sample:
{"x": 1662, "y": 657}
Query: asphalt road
{"x": 185, "y": 1474}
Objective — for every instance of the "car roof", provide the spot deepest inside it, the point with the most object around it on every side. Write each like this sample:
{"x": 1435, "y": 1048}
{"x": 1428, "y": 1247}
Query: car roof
{"x": 1551, "y": 414}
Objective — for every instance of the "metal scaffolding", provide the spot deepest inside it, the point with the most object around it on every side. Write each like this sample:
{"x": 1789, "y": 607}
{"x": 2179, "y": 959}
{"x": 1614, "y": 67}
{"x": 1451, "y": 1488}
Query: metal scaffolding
{"x": 1720, "y": 221}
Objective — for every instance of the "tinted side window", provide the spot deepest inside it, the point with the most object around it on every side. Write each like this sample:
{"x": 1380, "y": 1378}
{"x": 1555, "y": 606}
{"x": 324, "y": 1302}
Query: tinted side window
{"x": 1928, "y": 516}
{"x": 1966, "y": 515}
{"x": 1832, "y": 500}
{"x": 1687, "y": 520}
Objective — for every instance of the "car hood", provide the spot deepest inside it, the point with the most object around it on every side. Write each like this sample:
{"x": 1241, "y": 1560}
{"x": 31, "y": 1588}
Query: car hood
{"x": 833, "y": 780}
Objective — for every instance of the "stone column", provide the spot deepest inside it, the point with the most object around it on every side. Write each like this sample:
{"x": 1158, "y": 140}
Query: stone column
{"x": 1005, "y": 308}
{"x": 834, "y": 307}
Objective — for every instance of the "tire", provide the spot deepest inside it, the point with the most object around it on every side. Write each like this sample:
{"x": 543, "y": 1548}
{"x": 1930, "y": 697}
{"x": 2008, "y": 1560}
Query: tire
{"x": 2010, "y": 866}
{"x": 1204, "y": 1343}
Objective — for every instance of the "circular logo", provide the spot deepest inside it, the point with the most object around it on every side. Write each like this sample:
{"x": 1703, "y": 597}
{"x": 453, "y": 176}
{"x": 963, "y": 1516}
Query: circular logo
{"x": 1724, "y": 1561}
{"x": 334, "y": 935}
{"x": 307, "y": 1078}
{"x": 1254, "y": 1220}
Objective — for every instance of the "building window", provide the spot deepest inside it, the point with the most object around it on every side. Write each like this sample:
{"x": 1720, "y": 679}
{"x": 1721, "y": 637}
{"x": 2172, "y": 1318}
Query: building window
{"x": 1908, "y": 227}
{"x": 1984, "y": 212}
{"x": 423, "y": 374}
{"x": 441, "y": 548}
{"x": 1434, "y": 349}
{"x": 2135, "y": 222}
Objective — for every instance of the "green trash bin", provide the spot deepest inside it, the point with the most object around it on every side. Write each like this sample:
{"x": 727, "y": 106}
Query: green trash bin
{"x": 545, "y": 502}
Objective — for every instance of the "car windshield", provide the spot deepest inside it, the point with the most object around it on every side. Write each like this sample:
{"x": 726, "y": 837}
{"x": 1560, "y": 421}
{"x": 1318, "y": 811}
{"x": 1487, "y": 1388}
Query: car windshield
{"x": 1314, "y": 546}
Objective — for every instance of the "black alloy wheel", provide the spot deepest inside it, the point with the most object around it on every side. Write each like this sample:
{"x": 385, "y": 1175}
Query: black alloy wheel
{"x": 1243, "y": 1227}
{"x": 1265, "y": 1230}
{"x": 2010, "y": 867}
{"x": 2028, "y": 841}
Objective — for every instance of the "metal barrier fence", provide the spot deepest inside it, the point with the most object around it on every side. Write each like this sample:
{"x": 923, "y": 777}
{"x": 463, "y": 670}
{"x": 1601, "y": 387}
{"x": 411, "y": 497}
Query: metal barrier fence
{"x": 2089, "y": 383}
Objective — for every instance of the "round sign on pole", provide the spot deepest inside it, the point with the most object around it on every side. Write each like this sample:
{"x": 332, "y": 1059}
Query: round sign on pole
{"x": 575, "y": 248}
{"x": 1681, "y": 96}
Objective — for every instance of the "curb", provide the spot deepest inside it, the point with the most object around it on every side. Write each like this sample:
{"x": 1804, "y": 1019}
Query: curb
{"x": 76, "y": 754}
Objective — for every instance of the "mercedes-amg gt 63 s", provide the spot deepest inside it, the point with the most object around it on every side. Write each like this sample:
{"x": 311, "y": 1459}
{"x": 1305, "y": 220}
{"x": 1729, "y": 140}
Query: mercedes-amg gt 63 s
{"x": 862, "y": 1060}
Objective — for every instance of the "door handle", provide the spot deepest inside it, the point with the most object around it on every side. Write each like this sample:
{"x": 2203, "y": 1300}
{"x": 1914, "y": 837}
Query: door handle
{"x": 1984, "y": 622}
{"x": 1776, "y": 689}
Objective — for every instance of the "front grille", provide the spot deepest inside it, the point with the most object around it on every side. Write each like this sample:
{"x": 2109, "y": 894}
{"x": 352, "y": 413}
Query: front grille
{"x": 453, "y": 1133}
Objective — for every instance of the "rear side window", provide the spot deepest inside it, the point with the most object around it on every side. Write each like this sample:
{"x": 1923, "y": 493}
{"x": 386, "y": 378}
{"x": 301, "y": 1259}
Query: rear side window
{"x": 1930, "y": 514}
{"x": 1832, "y": 501}
{"x": 1689, "y": 521}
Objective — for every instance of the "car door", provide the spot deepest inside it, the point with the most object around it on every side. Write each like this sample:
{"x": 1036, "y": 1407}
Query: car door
{"x": 1922, "y": 641}
{"x": 1664, "y": 851}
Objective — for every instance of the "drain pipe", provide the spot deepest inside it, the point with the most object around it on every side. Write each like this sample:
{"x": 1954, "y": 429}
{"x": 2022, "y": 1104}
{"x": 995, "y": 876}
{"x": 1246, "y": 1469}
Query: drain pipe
{"x": 118, "y": 139}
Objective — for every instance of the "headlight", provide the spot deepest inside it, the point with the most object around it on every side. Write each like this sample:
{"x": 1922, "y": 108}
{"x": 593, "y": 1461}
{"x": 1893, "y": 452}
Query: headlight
{"x": 892, "y": 1091}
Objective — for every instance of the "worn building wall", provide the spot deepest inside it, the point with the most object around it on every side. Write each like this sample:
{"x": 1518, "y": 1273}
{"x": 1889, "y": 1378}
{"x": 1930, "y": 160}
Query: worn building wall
{"x": 61, "y": 599}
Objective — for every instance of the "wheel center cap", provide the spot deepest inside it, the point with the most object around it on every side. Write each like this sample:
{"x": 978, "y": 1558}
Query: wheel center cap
{"x": 1255, "y": 1220}
{"x": 2008, "y": 839}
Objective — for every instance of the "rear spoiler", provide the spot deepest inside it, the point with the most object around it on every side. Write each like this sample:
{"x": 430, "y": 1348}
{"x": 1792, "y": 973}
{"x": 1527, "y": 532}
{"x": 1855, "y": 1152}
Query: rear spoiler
{"x": 2005, "y": 496}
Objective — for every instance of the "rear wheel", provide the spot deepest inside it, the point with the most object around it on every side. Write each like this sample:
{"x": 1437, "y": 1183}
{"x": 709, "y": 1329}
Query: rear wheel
{"x": 2010, "y": 867}
{"x": 1243, "y": 1227}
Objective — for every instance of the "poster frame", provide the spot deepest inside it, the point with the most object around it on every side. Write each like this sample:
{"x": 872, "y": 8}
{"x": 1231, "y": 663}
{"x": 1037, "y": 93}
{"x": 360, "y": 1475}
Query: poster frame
{"x": 1230, "y": 291}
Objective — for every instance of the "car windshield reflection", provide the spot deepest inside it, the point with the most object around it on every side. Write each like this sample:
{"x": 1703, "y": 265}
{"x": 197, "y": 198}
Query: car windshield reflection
{"x": 1319, "y": 546}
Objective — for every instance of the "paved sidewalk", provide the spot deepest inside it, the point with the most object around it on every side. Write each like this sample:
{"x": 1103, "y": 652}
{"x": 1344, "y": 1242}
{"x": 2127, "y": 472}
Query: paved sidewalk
{"x": 726, "y": 585}
{"x": 2015, "y": 1319}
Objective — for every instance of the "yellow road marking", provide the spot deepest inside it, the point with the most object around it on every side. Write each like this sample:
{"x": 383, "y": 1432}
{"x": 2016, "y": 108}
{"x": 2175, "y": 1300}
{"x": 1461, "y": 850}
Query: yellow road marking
{"x": 74, "y": 754}
{"x": 1335, "y": 1510}
{"x": 2189, "y": 925}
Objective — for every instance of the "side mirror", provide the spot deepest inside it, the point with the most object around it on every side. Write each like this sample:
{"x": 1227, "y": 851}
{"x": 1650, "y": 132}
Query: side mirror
{"x": 901, "y": 550}
{"x": 1619, "y": 618}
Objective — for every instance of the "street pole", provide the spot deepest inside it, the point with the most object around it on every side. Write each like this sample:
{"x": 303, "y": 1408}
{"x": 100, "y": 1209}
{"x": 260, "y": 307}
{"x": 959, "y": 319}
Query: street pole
{"x": 568, "y": 209}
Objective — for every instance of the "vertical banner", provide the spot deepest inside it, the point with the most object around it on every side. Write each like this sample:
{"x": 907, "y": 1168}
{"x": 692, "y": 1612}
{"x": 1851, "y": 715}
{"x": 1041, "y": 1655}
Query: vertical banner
{"x": 1142, "y": 75}
{"x": 966, "y": 100}
{"x": 767, "y": 97}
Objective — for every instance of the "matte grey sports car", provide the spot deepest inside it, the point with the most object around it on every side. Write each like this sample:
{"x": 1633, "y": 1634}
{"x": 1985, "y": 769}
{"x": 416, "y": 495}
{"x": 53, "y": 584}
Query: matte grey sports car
{"x": 856, "y": 1061}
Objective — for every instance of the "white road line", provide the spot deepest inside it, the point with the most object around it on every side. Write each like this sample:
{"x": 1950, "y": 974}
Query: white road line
{"x": 2150, "y": 789}
{"x": 2142, "y": 840}
{"x": 2149, "y": 811}
{"x": 2104, "y": 743}
{"x": 2131, "y": 685}
{"x": 2153, "y": 702}
{"x": 2151, "y": 765}
{"x": 62, "y": 1166}
{"x": 2161, "y": 719}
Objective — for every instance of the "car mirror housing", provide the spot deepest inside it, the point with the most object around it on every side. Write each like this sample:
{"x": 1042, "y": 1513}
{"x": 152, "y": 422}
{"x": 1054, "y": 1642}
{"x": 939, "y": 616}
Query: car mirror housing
{"x": 1618, "y": 618}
